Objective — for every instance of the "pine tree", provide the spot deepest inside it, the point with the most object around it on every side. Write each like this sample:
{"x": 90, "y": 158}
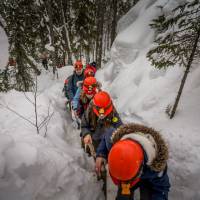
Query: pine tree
{"x": 83, "y": 26}
{"x": 71, "y": 27}
{"x": 177, "y": 40}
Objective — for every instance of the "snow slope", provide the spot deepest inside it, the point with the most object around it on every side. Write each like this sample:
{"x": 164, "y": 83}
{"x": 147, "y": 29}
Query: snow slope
{"x": 141, "y": 94}
{"x": 33, "y": 166}
{"x": 3, "y": 49}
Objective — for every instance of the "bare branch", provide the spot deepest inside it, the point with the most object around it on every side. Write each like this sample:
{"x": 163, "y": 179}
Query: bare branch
{"x": 46, "y": 118}
{"x": 46, "y": 126}
{"x": 35, "y": 104}
{"x": 10, "y": 109}
{"x": 29, "y": 99}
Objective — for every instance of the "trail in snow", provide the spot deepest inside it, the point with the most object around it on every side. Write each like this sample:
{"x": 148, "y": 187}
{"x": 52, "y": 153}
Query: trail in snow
{"x": 72, "y": 138}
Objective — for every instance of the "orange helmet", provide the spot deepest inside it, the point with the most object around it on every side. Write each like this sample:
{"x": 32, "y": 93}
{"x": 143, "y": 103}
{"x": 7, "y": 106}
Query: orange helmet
{"x": 102, "y": 104}
{"x": 78, "y": 65}
{"x": 90, "y": 85}
{"x": 125, "y": 160}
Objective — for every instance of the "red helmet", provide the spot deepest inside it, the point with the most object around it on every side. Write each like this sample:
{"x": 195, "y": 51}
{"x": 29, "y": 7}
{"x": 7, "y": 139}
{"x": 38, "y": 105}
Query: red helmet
{"x": 89, "y": 72}
{"x": 90, "y": 85}
{"x": 78, "y": 65}
{"x": 102, "y": 104}
{"x": 125, "y": 160}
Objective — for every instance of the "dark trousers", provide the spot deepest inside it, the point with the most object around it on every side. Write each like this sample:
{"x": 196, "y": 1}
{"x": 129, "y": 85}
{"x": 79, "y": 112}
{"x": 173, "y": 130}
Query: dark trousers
{"x": 145, "y": 194}
{"x": 44, "y": 63}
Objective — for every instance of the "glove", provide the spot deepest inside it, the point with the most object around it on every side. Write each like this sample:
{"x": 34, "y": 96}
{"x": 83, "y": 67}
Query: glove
{"x": 79, "y": 84}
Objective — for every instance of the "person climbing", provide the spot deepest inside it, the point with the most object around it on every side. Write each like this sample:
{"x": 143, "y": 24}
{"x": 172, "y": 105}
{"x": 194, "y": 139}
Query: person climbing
{"x": 137, "y": 158}
{"x": 89, "y": 88}
{"x": 100, "y": 115}
{"x": 45, "y": 60}
{"x": 77, "y": 76}
{"x": 88, "y": 72}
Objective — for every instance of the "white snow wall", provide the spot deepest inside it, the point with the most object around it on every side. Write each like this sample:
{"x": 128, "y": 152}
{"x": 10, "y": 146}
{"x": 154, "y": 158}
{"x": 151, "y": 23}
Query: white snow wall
{"x": 141, "y": 94}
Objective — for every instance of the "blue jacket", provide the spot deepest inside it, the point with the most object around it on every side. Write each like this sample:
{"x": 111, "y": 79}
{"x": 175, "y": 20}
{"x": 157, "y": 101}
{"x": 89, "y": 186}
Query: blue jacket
{"x": 72, "y": 85}
{"x": 75, "y": 101}
{"x": 80, "y": 103}
{"x": 158, "y": 182}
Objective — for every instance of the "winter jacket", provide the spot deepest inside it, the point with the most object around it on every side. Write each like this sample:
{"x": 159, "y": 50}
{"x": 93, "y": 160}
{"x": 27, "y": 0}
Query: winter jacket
{"x": 72, "y": 85}
{"x": 154, "y": 173}
{"x": 44, "y": 61}
{"x": 75, "y": 101}
{"x": 80, "y": 101}
{"x": 90, "y": 124}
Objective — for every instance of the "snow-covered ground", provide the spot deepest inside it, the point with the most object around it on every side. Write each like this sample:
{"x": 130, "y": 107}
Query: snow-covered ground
{"x": 36, "y": 167}
{"x": 141, "y": 94}
{"x": 3, "y": 49}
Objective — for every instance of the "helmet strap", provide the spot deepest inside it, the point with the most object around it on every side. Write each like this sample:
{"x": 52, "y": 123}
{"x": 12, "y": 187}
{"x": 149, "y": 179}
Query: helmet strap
{"x": 126, "y": 188}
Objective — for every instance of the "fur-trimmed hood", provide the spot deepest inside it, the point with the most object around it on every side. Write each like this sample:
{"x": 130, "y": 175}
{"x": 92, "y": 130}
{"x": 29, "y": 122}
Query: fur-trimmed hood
{"x": 160, "y": 156}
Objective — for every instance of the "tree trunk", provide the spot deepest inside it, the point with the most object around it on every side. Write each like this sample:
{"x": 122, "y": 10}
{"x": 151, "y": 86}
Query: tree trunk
{"x": 49, "y": 13}
{"x": 99, "y": 45}
{"x": 66, "y": 36}
{"x": 108, "y": 38}
{"x": 114, "y": 21}
{"x": 97, "y": 34}
{"x": 185, "y": 75}
{"x": 93, "y": 52}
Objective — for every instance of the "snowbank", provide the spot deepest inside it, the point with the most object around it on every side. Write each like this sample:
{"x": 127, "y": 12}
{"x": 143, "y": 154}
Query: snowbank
{"x": 33, "y": 166}
{"x": 141, "y": 94}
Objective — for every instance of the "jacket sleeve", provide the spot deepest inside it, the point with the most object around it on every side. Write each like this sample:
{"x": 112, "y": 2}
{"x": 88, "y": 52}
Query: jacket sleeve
{"x": 85, "y": 126}
{"x": 160, "y": 185}
{"x": 70, "y": 88}
{"x": 75, "y": 101}
{"x": 105, "y": 144}
{"x": 102, "y": 150}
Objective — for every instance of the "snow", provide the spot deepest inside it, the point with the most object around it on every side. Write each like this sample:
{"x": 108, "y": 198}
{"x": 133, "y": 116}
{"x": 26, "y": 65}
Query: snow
{"x": 3, "y": 49}
{"x": 49, "y": 47}
{"x": 142, "y": 93}
{"x": 33, "y": 166}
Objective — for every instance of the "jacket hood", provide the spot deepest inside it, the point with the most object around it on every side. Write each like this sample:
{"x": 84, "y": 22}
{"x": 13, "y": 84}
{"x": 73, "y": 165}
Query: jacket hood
{"x": 159, "y": 162}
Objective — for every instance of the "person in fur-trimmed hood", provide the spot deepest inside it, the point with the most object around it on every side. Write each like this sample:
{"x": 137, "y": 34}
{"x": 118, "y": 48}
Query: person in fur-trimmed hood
{"x": 137, "y": 157}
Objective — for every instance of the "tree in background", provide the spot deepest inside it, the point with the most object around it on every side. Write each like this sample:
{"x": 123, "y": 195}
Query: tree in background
{"x": 113, "y": 11}
{"x": 84, "y": 28}
{"x": 67, "y": 30}
{"x": 177, "y": 41}
{"x": 20, "y": 18}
